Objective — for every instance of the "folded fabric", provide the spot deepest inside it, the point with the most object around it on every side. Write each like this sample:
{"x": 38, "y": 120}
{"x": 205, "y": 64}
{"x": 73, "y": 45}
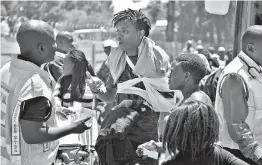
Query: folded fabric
{"x": 151, "y": 69}
{"x": 151, "y": 94}
{"x": 152, "y": 61}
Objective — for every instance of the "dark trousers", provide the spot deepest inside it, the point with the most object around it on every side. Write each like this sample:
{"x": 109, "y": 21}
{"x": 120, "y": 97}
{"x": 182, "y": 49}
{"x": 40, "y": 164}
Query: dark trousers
{"x": 237, "y": 153}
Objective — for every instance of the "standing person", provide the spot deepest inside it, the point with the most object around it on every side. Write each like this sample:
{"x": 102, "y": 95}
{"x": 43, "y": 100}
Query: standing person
{"x": 64, "y": 42}
{"x": 214, "y": 58}
{"x": 190, "y": 135}
{"x": 188, "y": 48}
{"x": 31, "y": 132}
{"x": 223, "y": 57}
{"x": 133, "y": 121}
{"x": 238, "y": 100}
{"x": 71, "y": 87}
{"x": 104, "y": 72}
{"x": 199, "y": 49}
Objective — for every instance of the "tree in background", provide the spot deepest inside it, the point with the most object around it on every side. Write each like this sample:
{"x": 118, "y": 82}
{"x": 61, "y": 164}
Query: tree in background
{"x": 71, "y": 15}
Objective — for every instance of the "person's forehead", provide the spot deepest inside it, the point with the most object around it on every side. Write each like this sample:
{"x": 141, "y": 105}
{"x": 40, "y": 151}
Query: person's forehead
{"x": 125, "y": 23}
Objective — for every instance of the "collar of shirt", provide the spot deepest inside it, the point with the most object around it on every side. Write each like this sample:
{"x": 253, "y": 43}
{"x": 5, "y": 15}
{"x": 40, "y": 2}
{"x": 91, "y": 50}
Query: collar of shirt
{"x": 29, "y": 66}
{"x": 249, "y": 61}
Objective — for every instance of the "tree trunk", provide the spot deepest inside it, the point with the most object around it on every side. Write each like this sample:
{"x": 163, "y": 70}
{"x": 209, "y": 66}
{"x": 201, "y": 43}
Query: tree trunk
{"x": 170, "y": 21}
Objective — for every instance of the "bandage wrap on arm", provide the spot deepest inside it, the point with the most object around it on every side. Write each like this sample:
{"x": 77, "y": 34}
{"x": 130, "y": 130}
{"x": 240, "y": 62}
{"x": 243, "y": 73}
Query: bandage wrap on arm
{"x": 37, "y": 109}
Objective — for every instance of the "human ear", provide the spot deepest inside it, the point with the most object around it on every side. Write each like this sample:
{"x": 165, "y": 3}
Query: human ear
{"x": 41, "y": 48}
{"x": 141, "y": 34}
{"x": 250, "y": 48}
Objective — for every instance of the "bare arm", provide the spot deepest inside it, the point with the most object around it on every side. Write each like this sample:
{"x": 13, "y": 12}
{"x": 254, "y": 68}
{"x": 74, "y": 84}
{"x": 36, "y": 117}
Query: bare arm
{"x": 37, "y": 132}
{"x": 35, "y": 113}
{"x": 236, "y": 111}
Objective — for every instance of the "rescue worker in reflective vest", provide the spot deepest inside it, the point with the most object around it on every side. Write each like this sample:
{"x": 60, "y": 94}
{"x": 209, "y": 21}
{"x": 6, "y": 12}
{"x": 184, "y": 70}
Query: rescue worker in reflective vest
{"x": 30, "y": 131}
{"x": 239, "y": 100}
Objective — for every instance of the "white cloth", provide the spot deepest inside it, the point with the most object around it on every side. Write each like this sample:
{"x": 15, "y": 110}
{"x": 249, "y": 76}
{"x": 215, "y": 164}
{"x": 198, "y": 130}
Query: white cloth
{"x": 153, "y": 62}
{"x": 151, "y": 94}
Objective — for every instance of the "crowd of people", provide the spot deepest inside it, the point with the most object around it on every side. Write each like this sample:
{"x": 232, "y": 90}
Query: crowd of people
{"x": 202, "y": 108}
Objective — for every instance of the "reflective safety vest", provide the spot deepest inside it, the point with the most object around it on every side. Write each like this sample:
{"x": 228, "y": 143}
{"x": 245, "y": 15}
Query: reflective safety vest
{"x": 22, "y": 80}
{"x": 241, "y": 65}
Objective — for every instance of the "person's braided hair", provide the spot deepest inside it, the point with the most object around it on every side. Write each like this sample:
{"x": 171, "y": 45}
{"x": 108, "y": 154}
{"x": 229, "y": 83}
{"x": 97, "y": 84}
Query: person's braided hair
{"x": 140, "y": 21}
{"x": 192, "y": 129}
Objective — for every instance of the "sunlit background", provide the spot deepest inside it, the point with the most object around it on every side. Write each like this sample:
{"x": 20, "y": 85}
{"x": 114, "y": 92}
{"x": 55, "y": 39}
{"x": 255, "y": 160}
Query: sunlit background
{"x": 173, "y": 22}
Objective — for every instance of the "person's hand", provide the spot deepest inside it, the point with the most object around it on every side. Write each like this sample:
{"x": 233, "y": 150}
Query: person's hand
{"x": 94, "y": 83}
{"x": 124, "y": 103}
{"x": 151, "y": 146}
{"x": 68, "y": 111}
{"x": 64, "y": 112}
{"x": 79, "y": 125}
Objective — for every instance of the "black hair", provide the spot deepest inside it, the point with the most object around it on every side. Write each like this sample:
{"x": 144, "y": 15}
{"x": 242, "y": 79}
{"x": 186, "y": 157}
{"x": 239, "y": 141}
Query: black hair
{"x": 65, "y": 35}
{"x": 192, "y": 128}
{"x": 251, "y": 35}
{"x": 140, "y": 21}
{"x": 192, "y": 63}
{"x": 79, "y": 77}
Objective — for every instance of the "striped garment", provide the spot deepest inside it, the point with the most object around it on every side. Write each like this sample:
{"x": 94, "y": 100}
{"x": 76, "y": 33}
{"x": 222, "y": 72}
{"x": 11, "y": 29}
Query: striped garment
{"x": 4, "y": 155}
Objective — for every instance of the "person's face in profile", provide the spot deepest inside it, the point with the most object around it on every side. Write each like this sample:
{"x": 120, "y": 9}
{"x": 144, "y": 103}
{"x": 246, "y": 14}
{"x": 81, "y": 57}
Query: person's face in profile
{"x": 176, "y": 76}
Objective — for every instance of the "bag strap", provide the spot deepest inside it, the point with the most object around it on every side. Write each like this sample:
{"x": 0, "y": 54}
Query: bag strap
{"x": 130, "y": 63}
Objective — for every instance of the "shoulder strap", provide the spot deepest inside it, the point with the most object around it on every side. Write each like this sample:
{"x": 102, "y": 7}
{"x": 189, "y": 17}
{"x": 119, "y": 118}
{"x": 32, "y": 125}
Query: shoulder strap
{"x": 130, "y": 63}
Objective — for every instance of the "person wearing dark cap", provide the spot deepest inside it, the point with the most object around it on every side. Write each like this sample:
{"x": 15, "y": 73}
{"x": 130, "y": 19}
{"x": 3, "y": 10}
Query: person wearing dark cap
{"x": 31, "y": 131}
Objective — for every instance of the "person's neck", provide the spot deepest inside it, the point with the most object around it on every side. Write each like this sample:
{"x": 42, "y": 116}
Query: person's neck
{"x": 62, "y": 51}
{"x": 27, "y": 58}
{"x": 189, "y": 89}
{"x": 132, "y": 52}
